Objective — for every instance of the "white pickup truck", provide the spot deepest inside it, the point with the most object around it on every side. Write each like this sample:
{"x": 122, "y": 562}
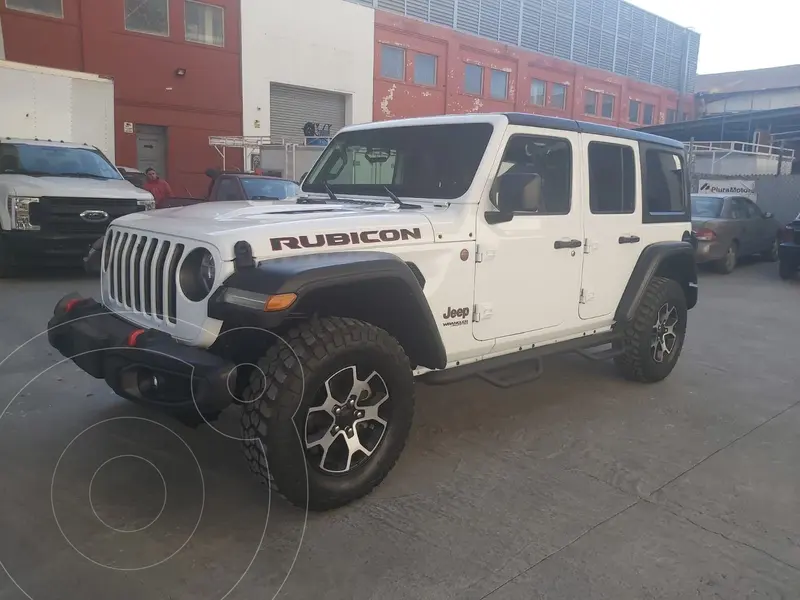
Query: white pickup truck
{"x": 59, "y": 189}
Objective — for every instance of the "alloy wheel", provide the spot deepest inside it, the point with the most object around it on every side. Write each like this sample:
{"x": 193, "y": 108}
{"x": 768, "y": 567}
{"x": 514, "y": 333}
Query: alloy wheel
{"x": 665, "y": 337}
{"x": 347, "y": 425}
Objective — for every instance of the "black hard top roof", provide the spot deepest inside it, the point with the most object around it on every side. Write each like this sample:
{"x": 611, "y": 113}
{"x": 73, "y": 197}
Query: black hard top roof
{"x": 529, "y": 120}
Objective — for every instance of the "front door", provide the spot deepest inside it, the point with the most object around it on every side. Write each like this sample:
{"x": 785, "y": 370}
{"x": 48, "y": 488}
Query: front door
{"x": 151, "y": 149}
{"x": 612, "y": 223}
{"x": 528, "y": 275}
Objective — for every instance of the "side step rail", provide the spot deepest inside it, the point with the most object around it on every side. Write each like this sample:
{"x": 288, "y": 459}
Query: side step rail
{"x": 490, "y": 370}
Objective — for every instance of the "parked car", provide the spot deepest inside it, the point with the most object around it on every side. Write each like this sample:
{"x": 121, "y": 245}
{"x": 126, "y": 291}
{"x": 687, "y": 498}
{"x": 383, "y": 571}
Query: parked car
{"x": 789, "y": 249}
{"x": 135, "y": 176}
{"x": 730, "y": 227}
{"x": 229, "y": 186}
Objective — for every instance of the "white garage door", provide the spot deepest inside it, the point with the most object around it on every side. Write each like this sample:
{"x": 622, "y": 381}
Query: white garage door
{"x": 293, "y": 108}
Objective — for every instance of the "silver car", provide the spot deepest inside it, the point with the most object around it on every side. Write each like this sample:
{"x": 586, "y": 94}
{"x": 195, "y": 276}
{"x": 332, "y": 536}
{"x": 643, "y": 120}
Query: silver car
{"x": 730, "y": 227}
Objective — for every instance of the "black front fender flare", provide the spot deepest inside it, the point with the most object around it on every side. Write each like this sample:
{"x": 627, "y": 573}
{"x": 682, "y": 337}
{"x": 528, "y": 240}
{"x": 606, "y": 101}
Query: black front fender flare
{"x": 373, "y": 286}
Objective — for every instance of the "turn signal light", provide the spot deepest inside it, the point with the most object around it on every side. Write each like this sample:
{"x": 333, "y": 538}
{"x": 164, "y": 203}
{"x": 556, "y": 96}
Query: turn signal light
{"x": 705, "y": 235}
{"x": 787, "y": 234}
{"x": 279, "y": 302}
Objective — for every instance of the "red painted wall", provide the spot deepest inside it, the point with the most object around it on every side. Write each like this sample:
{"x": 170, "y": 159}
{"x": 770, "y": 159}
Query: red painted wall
{"x": 398, "y": 99}
{"x": 207, "y": 101}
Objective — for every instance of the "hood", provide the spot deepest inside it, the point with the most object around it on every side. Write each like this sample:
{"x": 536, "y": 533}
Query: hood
{"x": 279, "y": 228}
{"x": 25, "y": 185}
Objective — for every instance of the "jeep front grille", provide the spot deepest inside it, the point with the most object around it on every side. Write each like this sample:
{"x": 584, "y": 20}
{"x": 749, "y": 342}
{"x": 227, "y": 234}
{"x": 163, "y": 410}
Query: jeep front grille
{"x": 142, "y": 274}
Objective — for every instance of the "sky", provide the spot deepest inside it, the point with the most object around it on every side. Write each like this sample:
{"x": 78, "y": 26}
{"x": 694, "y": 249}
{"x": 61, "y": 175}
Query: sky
{"x": 728, "y": 29}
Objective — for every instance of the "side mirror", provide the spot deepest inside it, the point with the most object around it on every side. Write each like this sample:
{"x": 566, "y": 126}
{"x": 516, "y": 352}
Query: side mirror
{"x": 493, "y": 217}
{"x": 768, "y": 215}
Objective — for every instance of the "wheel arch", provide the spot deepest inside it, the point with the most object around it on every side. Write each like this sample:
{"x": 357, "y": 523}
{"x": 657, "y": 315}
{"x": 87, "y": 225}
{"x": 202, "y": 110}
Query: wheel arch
{"x": 673, "y": 260}
{"x": 375, "y": 287}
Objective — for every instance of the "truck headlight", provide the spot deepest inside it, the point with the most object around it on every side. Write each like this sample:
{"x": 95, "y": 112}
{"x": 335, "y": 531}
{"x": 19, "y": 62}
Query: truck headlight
{"x": 19, "y": 207}
{"x": 148, "y": 204}
{"x": 198, "y": 274}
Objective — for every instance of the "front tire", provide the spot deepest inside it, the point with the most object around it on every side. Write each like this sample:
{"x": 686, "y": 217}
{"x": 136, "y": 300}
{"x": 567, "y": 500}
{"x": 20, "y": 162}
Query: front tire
{"x": 727, "y": 263}
{"x": 334, "y": 439}
{"x": 653, "y": 340}
{"x": 771, "y": 255}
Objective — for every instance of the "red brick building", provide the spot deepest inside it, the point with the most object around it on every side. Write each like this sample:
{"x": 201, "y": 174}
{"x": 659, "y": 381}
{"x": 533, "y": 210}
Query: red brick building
{"x": 175, "y": 63}
{"x": 423, "y": 69}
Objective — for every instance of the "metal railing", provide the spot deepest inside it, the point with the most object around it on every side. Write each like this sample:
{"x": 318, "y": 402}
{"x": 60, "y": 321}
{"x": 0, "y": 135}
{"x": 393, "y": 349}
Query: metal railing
{"x": 250, "y": 144}
{"x": 740, "y": 148}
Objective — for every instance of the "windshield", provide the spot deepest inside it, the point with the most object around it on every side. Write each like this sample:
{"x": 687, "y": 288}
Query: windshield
{"x": 706, "y": 206}
{"x": 55, "y": 161}
{"x": 421, "y": 161}
{"x": 258, "y": 188}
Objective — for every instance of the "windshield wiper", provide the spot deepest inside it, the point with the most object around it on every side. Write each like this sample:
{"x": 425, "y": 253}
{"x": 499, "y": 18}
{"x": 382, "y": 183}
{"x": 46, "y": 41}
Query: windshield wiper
{"x": 81, "y": 175}
{"x": 397, "y": 200}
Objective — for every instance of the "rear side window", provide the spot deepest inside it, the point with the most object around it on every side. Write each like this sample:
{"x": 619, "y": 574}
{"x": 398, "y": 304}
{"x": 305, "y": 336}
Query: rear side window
{"x": 665, "y": 190}
{"x": 612, "y": 179}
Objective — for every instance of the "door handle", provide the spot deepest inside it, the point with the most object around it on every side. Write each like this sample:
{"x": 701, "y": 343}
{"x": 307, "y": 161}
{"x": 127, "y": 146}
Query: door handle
{"x": 561, "y": 244}
{"x": 629, "y": 239}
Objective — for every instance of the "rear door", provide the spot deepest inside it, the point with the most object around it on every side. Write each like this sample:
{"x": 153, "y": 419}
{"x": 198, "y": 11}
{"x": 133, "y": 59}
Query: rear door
{"x": 612, "y": 221}
{"x": 746, "y": 229}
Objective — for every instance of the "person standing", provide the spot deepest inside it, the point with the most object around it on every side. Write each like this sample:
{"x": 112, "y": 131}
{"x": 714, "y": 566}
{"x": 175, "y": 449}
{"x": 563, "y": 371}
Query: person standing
{"x": 158, "y": 187}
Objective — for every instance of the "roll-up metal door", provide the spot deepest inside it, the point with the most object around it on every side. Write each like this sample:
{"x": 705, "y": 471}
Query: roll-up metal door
{"x": 291, "y": 108}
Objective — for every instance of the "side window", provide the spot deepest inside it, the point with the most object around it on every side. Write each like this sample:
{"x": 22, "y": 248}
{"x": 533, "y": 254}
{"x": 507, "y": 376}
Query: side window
{"x": 227, "y": 189}
{"x": 738, "y": 209}
{"x": 612, "y": 179}
{"x": 535, "y": 176}
{"x": 752, "y": 210}
{"x": 664, "y": 183}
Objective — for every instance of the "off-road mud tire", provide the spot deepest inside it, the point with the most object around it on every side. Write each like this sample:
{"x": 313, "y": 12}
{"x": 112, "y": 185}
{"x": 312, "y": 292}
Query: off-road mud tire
{"x": 275, "y": 409}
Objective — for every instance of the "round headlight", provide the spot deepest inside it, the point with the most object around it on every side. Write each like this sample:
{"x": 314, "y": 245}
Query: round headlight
{"x": 197, "y": 275}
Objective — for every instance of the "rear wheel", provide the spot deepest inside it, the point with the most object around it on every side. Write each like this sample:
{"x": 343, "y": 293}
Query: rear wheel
{"x": 727, "y": 263}
{"x": 653, "y": 340}
{"x": 326, "y": 417}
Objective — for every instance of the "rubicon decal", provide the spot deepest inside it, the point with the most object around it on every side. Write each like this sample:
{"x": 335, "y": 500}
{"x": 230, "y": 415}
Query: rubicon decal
{"x": 455, "y": 317}
{"x": 345, "y": 239}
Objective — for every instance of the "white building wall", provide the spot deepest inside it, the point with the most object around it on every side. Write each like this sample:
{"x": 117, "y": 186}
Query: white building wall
{"x": 762, "y": 100}
{"x": 321, "y": 44}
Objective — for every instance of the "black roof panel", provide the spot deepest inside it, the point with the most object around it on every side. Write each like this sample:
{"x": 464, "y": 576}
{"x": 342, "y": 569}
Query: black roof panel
{"x": 529, "y": 120}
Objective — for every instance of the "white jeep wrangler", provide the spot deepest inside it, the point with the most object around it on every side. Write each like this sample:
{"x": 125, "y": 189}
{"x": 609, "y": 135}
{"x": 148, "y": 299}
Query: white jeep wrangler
{"x": 437, "y": 248}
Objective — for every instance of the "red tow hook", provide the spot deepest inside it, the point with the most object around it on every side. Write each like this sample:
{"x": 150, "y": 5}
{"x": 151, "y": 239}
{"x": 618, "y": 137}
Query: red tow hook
{"x": 133, "y": 336}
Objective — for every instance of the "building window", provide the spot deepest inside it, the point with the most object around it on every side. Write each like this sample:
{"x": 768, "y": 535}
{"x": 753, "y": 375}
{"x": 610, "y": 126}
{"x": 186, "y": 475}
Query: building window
{"x": 424, "y": 69}
{"x": 633, "y": 111}
{"x": 672, "y": 115}
{"x": 558, "y": 96}
{"x": 393, "y": 62}
{"x": 649, "y": 110}
{"x": 147, "y": 16}
{"x": 51, "y": 8}
{"x": 538, "y": 92}
{"x": 205, "y": 23}
{"x": 685, "y": 117}
{"x": 590, "y": 103}
{"x": 499, "y": 85}
{"x": 612, "y": 179}
{"x": 473, "y": 79}
{"x": 607, "y": 109}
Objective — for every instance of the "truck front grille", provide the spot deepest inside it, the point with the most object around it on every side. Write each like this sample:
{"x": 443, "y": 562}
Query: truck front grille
{"x": 63, "y": 215}
{"x": 142, "y": 274}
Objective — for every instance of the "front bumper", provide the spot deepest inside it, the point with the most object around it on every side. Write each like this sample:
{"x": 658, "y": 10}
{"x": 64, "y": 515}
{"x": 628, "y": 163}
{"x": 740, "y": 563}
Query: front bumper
{"x": 709, "y": 251}
{"x": 48, "y": 245}
{"x": 190, "y": 383}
